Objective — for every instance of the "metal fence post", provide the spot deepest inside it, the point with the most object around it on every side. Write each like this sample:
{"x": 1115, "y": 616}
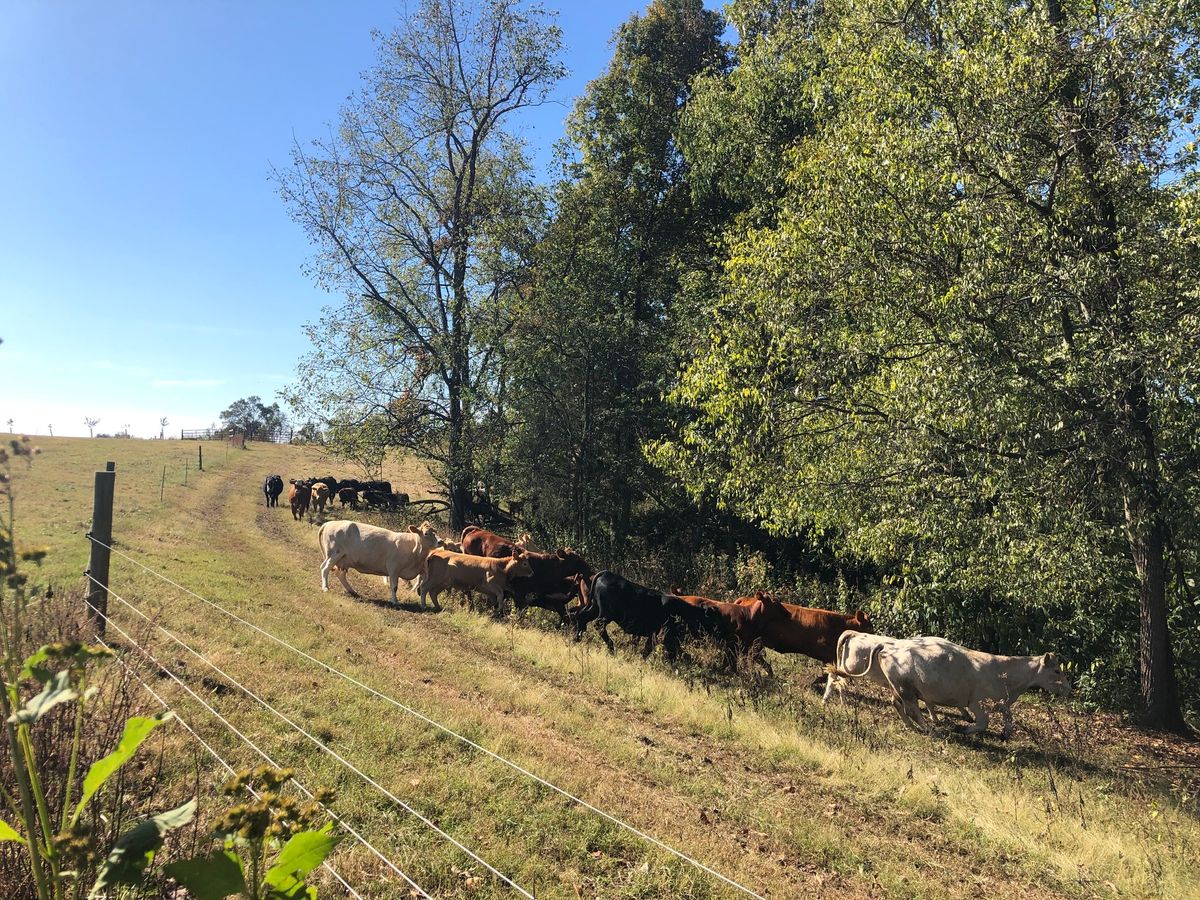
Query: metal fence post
{"x": 101, "y": 535}
{"x": 200, "y": 454}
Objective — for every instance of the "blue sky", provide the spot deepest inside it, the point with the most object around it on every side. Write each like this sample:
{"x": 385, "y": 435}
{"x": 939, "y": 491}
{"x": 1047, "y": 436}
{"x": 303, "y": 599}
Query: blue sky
{"x": 147, "y": 265}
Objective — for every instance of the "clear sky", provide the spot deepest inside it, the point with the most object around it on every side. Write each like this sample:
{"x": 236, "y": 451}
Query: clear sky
{"x": 147, "y": 265}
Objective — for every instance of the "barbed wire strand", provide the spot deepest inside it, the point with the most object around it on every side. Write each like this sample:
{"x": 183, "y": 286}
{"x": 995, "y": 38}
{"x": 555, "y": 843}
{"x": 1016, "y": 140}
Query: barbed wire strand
{"x": 213, "y": 753}
{"x": 438, "y": 725}
{"x": 433, "y": 826}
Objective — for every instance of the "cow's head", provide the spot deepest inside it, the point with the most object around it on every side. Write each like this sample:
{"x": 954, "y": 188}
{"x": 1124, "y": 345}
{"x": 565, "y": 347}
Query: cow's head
{"x": 452, "y": 546}
{"x": 1050, "y": 675}
{"x": 577, "y": 562}
{"x": 427, "y": 539}
{"x": 518, "y": 565}
{"x": 524, "y": 541}
{"x": 860, "y": 621}
{"x": 767, "y": 609}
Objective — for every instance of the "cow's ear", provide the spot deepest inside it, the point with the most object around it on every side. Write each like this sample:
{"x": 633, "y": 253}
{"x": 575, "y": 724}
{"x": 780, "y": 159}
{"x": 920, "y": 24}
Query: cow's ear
{"x": 414, "y": 529}
{"x": 1050, "y": 660}
{"x": 759, "y": 596}
{"x": 560, "y": 553}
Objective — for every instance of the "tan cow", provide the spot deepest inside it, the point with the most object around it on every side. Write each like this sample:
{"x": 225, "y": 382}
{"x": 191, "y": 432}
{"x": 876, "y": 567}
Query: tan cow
{"x": 446, "y": 570}
{"x": 320, "y": 497}
{"x": 374, "y": 551}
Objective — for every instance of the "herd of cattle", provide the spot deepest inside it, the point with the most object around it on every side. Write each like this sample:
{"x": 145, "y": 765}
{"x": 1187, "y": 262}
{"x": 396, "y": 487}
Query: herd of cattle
{"x": 928, "y": 670}
{"x": 316, "y": 494}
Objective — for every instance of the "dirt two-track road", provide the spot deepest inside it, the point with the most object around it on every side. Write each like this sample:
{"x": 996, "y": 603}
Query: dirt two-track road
{"x": 754, "y": 780}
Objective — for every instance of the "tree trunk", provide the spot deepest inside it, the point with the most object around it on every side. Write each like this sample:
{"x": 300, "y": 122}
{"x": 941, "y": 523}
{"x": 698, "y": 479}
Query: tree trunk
{"x": 1146, "y": 528}
{"x": 1160, "y": 693}
{"x": 456, "y": 474}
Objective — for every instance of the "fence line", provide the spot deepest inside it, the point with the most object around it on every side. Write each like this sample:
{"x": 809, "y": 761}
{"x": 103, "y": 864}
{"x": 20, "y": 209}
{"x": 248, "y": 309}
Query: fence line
{"x": 214, "y": 754}
{"x": 327, "y": 749}
{"x": 446, "y": 730}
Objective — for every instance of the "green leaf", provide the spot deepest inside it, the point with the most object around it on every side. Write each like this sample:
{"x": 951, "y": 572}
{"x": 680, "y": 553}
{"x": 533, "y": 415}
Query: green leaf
{"x": 57, "y": 691}
{"x": 135, "y": 849}
{"x": 8, "y": 833}
{"x": 210, "y": 878}
{"x": 33, "y": 667}
{"x": 300, "y": 855}
{"x": 136, "y": 731}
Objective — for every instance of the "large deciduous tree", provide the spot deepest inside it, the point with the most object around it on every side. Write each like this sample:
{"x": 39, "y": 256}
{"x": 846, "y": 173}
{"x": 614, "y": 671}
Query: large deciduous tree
{"x": 970, "y": 340}
{"x": 592, "y": 340}
{"x": 420, "y": 207}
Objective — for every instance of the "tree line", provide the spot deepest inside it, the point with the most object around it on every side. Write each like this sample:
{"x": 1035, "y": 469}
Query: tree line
{"x": 902, "y": 295}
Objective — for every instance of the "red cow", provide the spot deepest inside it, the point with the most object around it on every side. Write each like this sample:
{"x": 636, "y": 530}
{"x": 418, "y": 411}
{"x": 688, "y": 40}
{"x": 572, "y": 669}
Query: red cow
{"x": 551, "y": 586}
{"x": 813, "y": 632}
{"x": 748, "y": 621}
{"x": 478, "y": 542}
{"x": 299, "y": 496}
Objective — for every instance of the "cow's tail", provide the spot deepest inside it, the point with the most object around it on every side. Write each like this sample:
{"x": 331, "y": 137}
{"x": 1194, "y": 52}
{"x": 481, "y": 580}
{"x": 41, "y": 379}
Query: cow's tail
{"x": 462, "y": 537}
{"x": 840, "y": 668}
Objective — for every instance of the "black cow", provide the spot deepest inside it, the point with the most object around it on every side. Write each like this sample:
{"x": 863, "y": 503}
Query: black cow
{"x": 347, "y": 496}
{"x": 386, "y": 499}
{"x": 641, "y": 612}
{"x": 273, "y": 487}
{"x": 551, "y": 586}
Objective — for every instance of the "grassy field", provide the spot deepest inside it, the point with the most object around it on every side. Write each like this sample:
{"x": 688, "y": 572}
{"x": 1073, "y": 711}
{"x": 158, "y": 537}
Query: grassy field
{"x": 752, "y": 777}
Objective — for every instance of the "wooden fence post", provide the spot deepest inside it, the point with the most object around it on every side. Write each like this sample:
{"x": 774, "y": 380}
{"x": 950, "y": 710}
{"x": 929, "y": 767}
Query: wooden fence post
{"x": 200, "y": 454}
{"x": 162, "y": 486}
{"x": 101, "y": 535}
{"x": 185, "y": 465}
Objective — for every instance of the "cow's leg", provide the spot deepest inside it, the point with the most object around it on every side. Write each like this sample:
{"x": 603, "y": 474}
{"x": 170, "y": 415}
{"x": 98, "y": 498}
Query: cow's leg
{"x": 341, "y": 574}
{"x": 393, "y": 583}
{"x": 325, "y": 573}
{"x": 1006, "y": 714}
{"x": 604, "y": 634}
{"x": 649, "y": 648}
{"x": 981, "y": 718}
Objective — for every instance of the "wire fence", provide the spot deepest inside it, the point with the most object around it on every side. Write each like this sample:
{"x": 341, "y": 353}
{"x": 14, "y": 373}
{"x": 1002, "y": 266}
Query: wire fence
{"x": 317, "y": 742}
{"x": 414, "y": 713}
{"x": 213, "y": 753}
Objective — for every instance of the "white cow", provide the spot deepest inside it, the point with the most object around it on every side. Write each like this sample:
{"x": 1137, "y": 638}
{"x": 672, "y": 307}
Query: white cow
{"x": 942, "y": 673}
{"x": 374, "y": 551}
{"x": 857, "y": 657}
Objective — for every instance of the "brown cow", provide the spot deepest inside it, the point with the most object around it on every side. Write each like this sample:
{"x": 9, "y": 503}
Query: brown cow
{"x": 747, "y": 621}
{"x": 813, "y": 632}
{"x": 446, "y": 570}
{"x": 551, "y": 586}
{"x": 299, "y": 496}
{"x": 479, "y": 542}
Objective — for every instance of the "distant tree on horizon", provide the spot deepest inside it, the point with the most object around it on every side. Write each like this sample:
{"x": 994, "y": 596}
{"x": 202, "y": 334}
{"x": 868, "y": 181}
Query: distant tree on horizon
{"x": 91, "y": 423}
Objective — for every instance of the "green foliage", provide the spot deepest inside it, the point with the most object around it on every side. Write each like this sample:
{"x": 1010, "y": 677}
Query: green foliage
{"x": 589, "y": 348}
{"x": 966, "y": 345}
{"x": 263, "y": 823}
{"x": 137, "y": 729}
{"x": 135, "y": 849}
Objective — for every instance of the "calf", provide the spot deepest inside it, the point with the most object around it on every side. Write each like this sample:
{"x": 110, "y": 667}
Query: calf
{"x": 641, "y": 612}
{"x": 348, "y": 496}
{"x": 446, "y": 570}
{"x": 272, "y": 488}
{"x": 374, "y": 551}
{"x": 552, "y": 583}
{"x": 942, "y": 673}
{"x": 320, "y": 496}
{"x": 299, "y": 496}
